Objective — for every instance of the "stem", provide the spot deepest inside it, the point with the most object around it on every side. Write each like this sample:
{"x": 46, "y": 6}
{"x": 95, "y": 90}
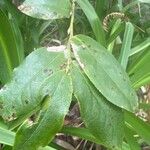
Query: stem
{"x": 70, "y": 32}
{"x": 72, "y": 20}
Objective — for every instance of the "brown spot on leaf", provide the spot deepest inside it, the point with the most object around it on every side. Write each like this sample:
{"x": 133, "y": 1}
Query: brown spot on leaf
{"x": 14, "y": 116}
{"x": 11, "y": 118}
{"x": 63, "y": 66}
{"x": 13, "y": 107}
{"x": 48, "y": 72}
{"x": 120, "y": 73}
{"x": 26, "y": 101}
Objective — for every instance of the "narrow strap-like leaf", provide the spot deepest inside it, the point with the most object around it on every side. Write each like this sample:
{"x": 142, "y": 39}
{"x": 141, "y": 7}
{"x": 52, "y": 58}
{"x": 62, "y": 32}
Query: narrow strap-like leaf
{"x": 142, "y": 46}
{"x": 93, "y": 19}
{"x": 139, "y": 71}
{"x": 126, "y": 45}
{"x": 9, "y": 54}
{"x": 83, "y": 133}
{"x": 129, "y": 135}
{"x": 141, "y": 127}
{"x": 6, "y": 137}
{"x": 51, "y": 9}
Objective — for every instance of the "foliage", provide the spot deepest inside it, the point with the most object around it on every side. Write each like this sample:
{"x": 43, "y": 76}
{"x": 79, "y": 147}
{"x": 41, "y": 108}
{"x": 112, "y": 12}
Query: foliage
{"x": 101, "y": 68}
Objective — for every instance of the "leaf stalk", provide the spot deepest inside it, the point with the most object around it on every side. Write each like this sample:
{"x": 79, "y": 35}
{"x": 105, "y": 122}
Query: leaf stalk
{"x": 70, "y": 32}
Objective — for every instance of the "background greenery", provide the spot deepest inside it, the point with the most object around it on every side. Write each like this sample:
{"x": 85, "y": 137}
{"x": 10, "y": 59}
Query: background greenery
{"x": 114, "y": 39}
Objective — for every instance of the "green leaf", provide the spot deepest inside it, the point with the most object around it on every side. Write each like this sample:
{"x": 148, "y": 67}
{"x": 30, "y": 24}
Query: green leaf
{"x": 93, "y": 19}
{"x": 115, "y": 34}
{"x": 144, "y": 1}
{"x": 80, "y": 132}
{"x": 46, "y": 148}
{"x": 46, "y": 9}
{"x": 14, "y": 15}
{"x": 52, "y": 115}
{"x": 100, "y": 8}
{"x": 103, "y": 119}
{"x": 140, "y": 47}
{"x": 126, "y": 45}
{"x": 139, "y": 71}
{"x": 115, "y": 27}
{"x": 141, "y": 127}
{"x": 6, "y": 137}
{"x": 10, "y": 55}
{"x": 130, "y": 5}
{"x": 144, "y": 106}
{"x": 105, "y": 72}
{"x": 22, "y": 97}
{"x": 120, "y": 5}
{"x": 125, "y": 146}
{"x": 129, "y": 134}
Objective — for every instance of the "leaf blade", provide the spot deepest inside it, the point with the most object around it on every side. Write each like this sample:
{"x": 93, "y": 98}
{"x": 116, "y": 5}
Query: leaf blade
{"x": 139, "y": 71}
{"x": 141, "y": 127}
{"x": 126, "y": 45}
{"x": 46, "y": 10}
{"x": 9, "y": 54}
{"x": 93, "y": 19}
{"x": 27, "y": 80}
{"x": 99, "y": 65}
{"x": 52, "y": 119}
{"x": 7, "y": 137}
{"x": 103, "y": 127}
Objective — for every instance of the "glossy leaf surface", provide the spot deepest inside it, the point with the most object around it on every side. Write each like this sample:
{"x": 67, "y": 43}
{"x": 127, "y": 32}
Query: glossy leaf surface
{"x": 52, "y": 115}
{"x": 103, "y": 119}
{"x": 10, "y": 55}
{"x": 138, "y": 125}
{"x": 46, "y": 9}
{"x": 105, "y": 72}
{"x": 21, "y": 97}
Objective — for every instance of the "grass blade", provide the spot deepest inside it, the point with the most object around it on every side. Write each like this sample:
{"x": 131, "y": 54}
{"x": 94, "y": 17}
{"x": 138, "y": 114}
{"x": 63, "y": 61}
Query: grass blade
{"x": 80, "y": 132}
{"x": 126, "y": 45}
{"x": 93, "y": 19}
{"x": 9, "y": 53}
{"x": 114, "y": 29}
{"x": 140, "y": 47}
{"x": 141, "y": 127}
{"x": 7, "y": 137}
{"x": 129, "y": 134}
